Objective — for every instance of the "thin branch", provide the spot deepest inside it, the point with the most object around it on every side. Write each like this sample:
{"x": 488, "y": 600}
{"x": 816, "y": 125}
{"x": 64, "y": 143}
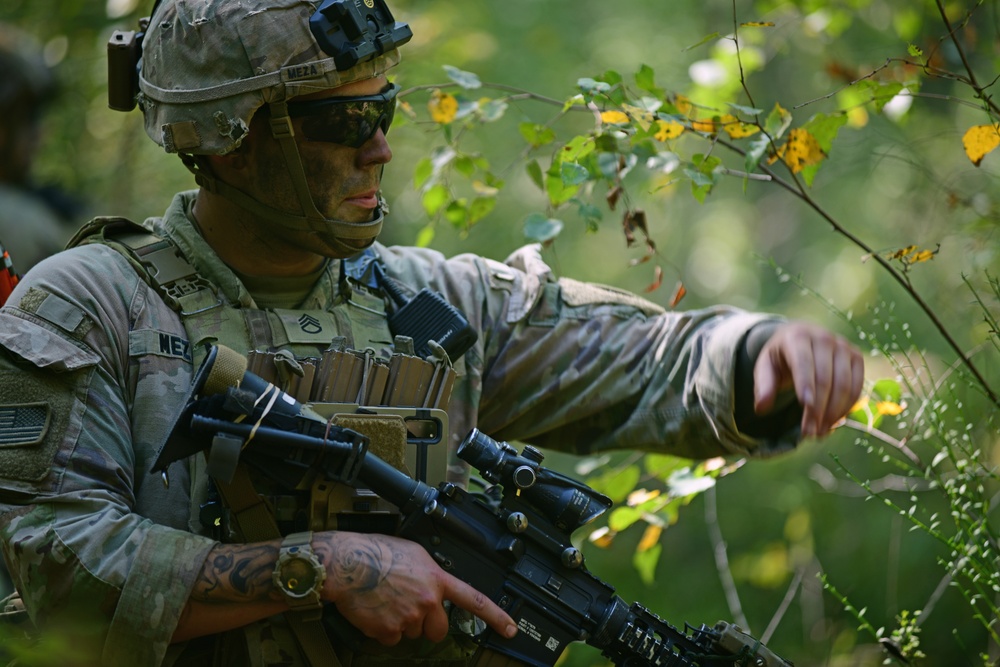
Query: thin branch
{"x": 886, "y": 438}
{"x": 973, "y": 80}
{"x": 739, "y": 57}
{"x": 783, "y": 607}
{"x": 722, "y": 560}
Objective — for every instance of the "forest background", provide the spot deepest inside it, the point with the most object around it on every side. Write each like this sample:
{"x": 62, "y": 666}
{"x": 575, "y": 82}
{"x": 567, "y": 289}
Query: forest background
{"x": 810, "y": 158}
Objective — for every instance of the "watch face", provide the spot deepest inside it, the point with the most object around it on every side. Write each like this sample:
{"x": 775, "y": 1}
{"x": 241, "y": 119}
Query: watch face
{"x": 298, "y": 576}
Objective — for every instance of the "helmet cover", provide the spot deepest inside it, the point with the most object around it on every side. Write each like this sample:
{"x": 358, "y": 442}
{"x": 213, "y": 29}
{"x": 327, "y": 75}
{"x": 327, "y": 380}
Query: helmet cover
{"x": 208, "y": 65}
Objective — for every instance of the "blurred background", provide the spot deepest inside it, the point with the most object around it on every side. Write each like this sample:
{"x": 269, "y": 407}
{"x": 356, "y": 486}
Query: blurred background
{"x": 759, "y": 543}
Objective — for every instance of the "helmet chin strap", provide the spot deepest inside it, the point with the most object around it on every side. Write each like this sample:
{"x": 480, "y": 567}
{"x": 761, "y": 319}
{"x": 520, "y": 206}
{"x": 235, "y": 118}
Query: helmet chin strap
{"x": 312, "y": 220}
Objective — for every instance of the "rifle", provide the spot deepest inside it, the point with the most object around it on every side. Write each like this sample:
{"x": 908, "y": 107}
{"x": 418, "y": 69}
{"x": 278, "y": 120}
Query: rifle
{"x": 518, "y": 553}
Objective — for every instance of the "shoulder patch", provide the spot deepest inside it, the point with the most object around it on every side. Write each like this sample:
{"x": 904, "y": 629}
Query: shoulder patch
{"x": 23, "y": 425}
{"x": 56, "y": 311}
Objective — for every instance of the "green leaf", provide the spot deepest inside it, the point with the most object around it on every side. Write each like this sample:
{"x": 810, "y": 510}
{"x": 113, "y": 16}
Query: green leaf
{"x": 645, "y": 79}
{"x": 611, "y": 77}
{"x": 422, "y": 172}
{"x": 616, "y": 483}
{"x": 663, "y": 465}
{"x": 623, "y": 517}
{"x": 539, "y": 228}
{"x": 888, "y": 390}
{"x": 578, "y": 148}
{"x": 535, "y": 172}
{"x": 537, "y": 135}
{"x": 457, "y": 213}
{"x": 465, "y": 165}
{"x": 558, "y": 191}
{"x": 915, "y": 51}
{"x": 466, "y": 80}
{"x": 480, "y": 207}
{"x": 572, "y": 173}
{"x": 434, "y": 198}
{"x": 645, "y": 563}
{"x": 425, "y": 237}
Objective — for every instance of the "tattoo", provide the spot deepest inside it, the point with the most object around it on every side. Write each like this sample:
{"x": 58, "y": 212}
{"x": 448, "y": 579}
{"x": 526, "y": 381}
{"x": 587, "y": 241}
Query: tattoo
{"x": 236, "y": 573}
{"x": 361, "y": 563}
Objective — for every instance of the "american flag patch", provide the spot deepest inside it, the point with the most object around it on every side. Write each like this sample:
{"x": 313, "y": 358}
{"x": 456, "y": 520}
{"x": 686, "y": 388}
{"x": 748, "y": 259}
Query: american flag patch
{"x": 23, "y": 425}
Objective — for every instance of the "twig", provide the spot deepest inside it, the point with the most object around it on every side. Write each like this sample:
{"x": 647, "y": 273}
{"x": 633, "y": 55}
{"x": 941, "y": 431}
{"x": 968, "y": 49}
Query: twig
{"x": 783, "y": 607}
{"x": 973, "y": 80}
{"x": 722, "y": 560}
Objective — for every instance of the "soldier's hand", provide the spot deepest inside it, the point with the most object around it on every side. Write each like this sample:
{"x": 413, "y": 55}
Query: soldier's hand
{"x": 390, "y": 588}
{"x": 825, "y": 370}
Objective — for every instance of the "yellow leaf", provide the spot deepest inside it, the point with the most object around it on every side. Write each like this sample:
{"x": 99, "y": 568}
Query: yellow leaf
{"x": 650, "y": 538}
{"x": 801, "y": 150}
{"x": 614, "y": 117}
{"x": 683, "y": 105}
{"x": 888, "y": 408}
{"x": 980, "y": 140}
{"x": 668, "y": 129}
{"x": 706, "y": 126}
{"x": 442, "y": 107}
{"x": 736, "y": 129}
{"x": 902, "y": 252}
{"x": 922, "y": 256}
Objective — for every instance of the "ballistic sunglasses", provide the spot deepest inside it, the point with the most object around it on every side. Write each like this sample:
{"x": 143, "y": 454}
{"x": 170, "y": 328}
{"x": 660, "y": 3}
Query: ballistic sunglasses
{"x": 348, "y": 121}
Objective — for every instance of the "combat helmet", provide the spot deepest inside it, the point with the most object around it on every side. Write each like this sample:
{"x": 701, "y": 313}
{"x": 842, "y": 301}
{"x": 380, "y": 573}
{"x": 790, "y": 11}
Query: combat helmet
{"x": 204, "y": 67}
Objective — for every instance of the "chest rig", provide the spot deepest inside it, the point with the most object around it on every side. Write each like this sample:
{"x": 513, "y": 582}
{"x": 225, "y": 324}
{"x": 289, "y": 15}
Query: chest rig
{"x": 343, "y": 362}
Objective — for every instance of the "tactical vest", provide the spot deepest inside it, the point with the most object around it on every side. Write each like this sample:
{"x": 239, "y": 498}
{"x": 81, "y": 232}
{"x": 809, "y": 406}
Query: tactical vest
{"x": 335, "y": 361}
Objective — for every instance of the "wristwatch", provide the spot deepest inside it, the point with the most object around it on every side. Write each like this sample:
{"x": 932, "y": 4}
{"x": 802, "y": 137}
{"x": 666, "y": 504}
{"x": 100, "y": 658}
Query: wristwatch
{"x": 298, "y": 573}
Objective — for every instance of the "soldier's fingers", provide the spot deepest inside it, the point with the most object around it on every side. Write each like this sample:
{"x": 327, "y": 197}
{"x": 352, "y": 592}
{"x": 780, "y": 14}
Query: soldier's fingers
{"x": 849, "y": 378}
{"x": 436, "y": 625}
{"x": 471, "y": 600}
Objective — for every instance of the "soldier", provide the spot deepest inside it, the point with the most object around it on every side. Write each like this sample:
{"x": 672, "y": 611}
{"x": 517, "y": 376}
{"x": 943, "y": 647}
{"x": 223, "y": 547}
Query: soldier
{"x": 284, "y": 127}
{"x": 34, "y": 221}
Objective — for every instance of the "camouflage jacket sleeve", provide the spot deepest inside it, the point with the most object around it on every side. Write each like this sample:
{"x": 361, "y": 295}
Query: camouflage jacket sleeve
{"x": 580, "y": 367}
{"x": 80, "y": 539}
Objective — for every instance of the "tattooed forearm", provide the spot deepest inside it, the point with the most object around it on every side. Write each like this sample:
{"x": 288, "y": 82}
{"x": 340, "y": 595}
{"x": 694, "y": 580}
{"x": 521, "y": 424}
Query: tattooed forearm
{"x": 236, "y": 573}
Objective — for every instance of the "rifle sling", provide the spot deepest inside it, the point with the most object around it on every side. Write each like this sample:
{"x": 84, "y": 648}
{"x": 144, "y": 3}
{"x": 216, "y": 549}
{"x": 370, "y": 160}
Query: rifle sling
{"x": 255, "y": 523}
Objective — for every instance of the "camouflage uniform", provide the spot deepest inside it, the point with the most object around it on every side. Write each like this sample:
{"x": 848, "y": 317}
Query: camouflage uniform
{"x": 85, "y": 528}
